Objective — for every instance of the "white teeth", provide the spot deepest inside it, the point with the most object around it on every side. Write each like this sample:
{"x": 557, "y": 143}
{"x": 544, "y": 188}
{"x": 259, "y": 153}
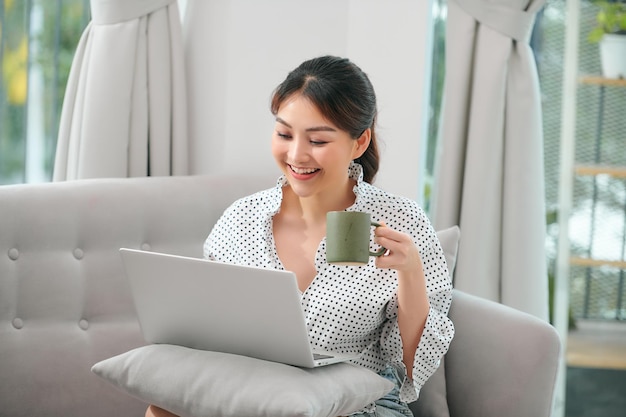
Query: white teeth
{"x": 303, "y": 171}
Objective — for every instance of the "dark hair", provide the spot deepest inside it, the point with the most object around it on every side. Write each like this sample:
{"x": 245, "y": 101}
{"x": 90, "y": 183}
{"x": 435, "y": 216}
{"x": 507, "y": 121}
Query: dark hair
{"x": 343, "y": 94}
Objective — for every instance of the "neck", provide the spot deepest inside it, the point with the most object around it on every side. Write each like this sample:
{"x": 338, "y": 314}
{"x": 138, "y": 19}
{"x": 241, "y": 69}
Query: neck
{"x": 314, "y": 208}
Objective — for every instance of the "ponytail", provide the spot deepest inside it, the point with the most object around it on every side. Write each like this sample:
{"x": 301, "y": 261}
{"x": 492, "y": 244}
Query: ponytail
{"x": 370, "y": 160}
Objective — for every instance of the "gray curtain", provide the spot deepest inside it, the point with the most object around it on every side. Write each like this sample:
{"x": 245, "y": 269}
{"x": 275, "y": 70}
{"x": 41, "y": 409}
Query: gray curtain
{"x": 125, "y": 107}
{"x": 489, "y": 171}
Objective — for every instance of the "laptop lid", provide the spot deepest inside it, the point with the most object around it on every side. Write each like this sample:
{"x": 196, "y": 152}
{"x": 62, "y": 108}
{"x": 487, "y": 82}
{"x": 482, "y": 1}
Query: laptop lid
{"x": 220, "y": 307}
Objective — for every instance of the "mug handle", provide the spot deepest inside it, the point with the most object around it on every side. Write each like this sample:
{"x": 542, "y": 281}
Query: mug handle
{"x": 382, "y": 250}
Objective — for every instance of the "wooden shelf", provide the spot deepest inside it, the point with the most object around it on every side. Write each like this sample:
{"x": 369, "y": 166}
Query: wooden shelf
{"x": 589, "y": 262}
{"x": 597, "y": 80}
{"x": 592, "y": 170}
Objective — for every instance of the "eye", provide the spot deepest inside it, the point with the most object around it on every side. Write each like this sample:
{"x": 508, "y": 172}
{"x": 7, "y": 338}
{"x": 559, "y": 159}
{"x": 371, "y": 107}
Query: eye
{"x": 318, "y": 142}
{"x": 283, "y": 135}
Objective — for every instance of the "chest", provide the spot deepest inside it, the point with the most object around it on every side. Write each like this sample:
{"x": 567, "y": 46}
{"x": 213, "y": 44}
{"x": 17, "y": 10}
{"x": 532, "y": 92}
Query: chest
{"x": 297, "y": 250}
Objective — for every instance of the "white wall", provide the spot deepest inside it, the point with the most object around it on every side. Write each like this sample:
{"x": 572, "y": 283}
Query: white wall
{"x": 239, "y": 50}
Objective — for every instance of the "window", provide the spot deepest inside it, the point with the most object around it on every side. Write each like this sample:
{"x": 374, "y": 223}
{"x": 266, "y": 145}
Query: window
{"x": 37, "y": 43}
{"x": 597, "y": 223}
{"x": 436, "y": 95}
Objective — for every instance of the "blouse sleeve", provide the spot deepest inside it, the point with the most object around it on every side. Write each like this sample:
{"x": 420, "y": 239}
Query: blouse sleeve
{"x": 220, "y": 239}
{"x": 438, "y": 330}
{"x": 241, "y": 234}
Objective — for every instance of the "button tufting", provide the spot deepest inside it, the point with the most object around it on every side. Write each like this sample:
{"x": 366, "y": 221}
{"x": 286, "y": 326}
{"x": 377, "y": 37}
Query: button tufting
{"x": 145, "y": 246}
{"x": 78, "y": 253}
{"x": 18, "y": 323}
{"x": 14, "y": 254}
{"x": 83, "y": 324}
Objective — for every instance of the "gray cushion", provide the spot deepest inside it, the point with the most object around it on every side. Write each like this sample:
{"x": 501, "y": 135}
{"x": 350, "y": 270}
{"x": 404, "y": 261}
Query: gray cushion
{"x": 200, "y": 383}
{"x": 449, "y": 240}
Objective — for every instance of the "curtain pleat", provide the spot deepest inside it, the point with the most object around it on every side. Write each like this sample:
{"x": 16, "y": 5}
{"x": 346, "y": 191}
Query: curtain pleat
{"x": 489, "y": 172}
{"x": 125, "y": 112}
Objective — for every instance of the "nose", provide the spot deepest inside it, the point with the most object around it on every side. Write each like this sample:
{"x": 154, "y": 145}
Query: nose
{"x": 298, "y": 150}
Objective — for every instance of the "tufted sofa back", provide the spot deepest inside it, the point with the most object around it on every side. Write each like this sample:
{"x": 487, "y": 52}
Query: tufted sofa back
{"x": 64, "y": 300}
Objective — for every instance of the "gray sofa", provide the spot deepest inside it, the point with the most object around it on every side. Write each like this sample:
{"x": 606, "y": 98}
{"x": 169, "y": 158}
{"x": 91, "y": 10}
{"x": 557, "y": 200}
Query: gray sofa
{"x": 65, "y": 304}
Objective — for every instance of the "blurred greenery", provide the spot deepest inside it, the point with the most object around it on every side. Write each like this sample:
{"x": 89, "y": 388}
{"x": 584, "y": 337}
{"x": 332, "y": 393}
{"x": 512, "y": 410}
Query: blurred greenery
{"x": 62, "y": 25}
{"x": 610, "y": 18}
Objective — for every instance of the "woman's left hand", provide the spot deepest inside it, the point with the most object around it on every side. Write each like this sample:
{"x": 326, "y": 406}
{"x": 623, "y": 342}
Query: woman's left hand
{"x": 402, "y": 254}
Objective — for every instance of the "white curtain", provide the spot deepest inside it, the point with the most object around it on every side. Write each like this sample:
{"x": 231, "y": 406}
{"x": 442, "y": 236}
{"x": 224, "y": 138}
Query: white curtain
{"x": 490, "y": 175}
{"x": 125, "y": 107}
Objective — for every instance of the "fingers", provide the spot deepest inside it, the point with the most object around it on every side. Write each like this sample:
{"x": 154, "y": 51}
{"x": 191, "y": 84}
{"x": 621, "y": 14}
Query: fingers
{"x": 391, "y": 238}
{"x": 402, "y": 254}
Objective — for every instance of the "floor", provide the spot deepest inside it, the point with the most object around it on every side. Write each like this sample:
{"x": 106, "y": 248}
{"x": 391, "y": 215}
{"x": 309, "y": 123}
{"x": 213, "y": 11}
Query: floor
{"x": 595, "y": 392}
{"x": 597, "y": 344}
{"x": 596, "y": 361}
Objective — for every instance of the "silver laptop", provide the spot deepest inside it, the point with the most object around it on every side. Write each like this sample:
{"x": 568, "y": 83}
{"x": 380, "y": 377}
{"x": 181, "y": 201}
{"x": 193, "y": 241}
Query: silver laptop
{"x": 221, "y": 307}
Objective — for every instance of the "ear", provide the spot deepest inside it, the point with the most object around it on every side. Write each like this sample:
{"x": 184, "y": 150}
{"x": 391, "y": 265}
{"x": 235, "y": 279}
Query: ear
{"x": 362, "y": 143}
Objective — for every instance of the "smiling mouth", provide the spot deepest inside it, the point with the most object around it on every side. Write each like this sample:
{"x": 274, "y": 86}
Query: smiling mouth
{"x": 303, "y": 171}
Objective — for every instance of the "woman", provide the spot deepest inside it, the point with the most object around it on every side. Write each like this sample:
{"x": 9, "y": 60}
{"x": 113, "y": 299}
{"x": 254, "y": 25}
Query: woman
{"x": 392, "y": 311}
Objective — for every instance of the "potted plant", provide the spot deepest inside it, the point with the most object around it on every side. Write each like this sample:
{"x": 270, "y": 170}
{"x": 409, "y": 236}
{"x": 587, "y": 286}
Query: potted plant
{"x": 610, "y": 33}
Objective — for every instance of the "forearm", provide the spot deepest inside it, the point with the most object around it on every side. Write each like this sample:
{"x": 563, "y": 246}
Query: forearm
{"x": 413, "y": 308}
{"x": 413, "y": 303}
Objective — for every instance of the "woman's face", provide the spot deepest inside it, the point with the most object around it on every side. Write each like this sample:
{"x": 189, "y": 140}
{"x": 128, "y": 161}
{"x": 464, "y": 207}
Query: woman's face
{"x": 313, "y": 154}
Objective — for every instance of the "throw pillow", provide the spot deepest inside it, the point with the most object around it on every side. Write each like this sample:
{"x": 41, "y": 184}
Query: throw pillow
{"x": 449, "y": 240}
{"x": 199, "y": 383}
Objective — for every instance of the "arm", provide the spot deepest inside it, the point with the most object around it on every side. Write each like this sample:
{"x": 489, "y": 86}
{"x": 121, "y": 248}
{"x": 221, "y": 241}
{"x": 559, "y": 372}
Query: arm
{"x": 433, "y": 282}
{"x": 413, "y": 303}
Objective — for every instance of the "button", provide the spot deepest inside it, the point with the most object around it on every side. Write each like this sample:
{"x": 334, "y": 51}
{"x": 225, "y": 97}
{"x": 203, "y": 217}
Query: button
{"x": 14, "y": 254}
{"x": 145, "y": 246}
{"x": 83, "y": 324}
{"x": 78, "y": 253}
{"x": 18, "y": 323}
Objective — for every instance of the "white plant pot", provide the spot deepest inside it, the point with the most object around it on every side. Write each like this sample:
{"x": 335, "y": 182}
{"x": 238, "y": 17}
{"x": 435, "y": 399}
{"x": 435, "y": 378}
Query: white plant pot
{"x": 613, "y": 55}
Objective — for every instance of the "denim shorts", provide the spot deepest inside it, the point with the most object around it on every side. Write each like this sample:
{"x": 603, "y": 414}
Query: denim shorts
{"x": 389, "y": 405}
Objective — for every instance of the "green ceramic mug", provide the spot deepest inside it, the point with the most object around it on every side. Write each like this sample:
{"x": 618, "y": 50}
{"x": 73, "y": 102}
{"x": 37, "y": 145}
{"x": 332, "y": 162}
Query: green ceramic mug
{"x": 348, "y": 238}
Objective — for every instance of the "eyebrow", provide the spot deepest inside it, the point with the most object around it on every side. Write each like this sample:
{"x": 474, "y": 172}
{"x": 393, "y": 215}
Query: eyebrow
{"x": 310, "y": 129}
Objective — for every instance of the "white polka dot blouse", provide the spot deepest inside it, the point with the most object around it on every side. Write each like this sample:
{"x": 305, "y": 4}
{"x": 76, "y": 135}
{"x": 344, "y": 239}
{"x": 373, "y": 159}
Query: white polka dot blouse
{"x": 350, "y": 309}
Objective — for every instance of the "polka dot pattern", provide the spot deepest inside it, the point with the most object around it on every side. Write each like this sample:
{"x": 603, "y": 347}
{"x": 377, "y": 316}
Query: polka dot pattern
{"x": 350, "y": 309}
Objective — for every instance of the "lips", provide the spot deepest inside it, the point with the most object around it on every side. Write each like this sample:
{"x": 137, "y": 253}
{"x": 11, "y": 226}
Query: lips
{"x": 303, "y": 172}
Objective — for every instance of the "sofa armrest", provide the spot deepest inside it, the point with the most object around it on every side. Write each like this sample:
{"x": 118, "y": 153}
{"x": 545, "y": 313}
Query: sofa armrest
{"x": 502, "y": 362}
